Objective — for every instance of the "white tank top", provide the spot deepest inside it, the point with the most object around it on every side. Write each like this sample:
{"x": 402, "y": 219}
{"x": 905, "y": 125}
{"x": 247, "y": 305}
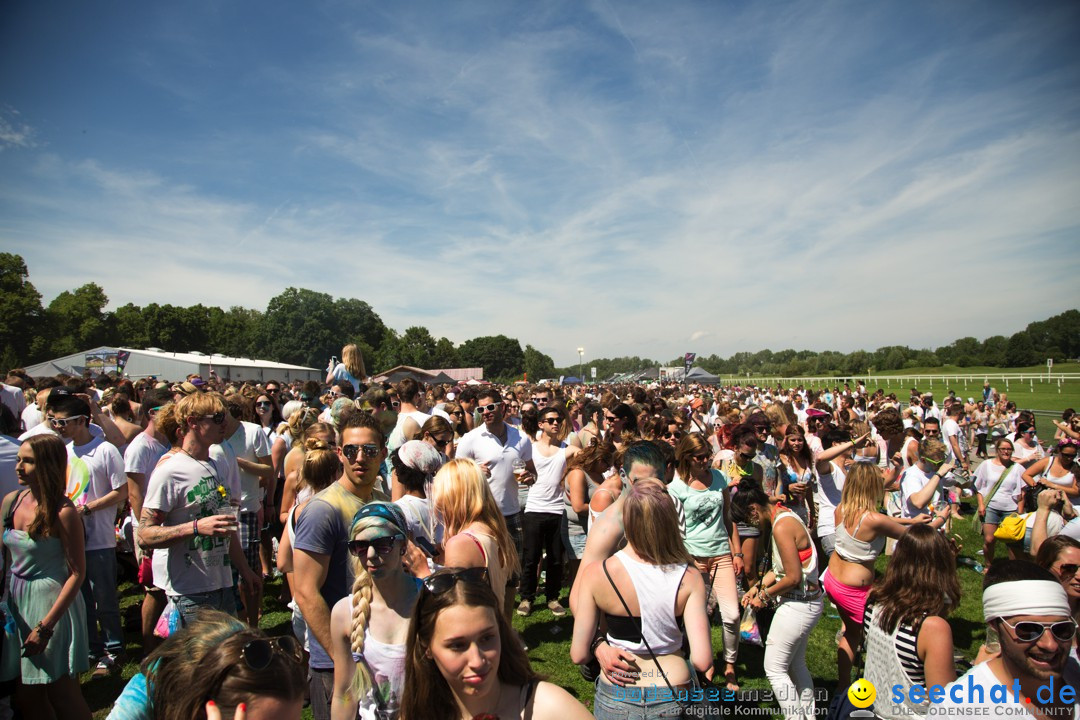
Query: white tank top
{"x": 657, "y": 588}
{"x": 546, "y": 494}
{"x": 1064, "y": 481}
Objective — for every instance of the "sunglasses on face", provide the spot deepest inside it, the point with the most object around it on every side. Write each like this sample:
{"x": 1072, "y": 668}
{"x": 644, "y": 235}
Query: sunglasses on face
{"x": 935, "y": 463}
{"x": 490, "y": 407}
{"x": 443, "y": 441}
{"x": 1029, "y": 631}
{"x": 334, "y": 394}
{"x": 702, "y": 458}
{"x": 540, "y": 400}
{"x": 1067, "y": 570}
{"x": 382, "y": 545}
{"x": 272, "y": 391}
{"x": 611, "y": 418}
{"x": 675, "y": 435}
{"x": 62, "y": 423}
{"x": 217, "y": 418}
{"x": 1005, "y": 450}
{"x": 264, "y": 405}
{"x": 1068, "y": 457}
{"x": 459, "y": 413}
{"x": 551, "y": 420}
{"x": 1029, "y": 432}
{"x": 395, "y": 403}
{"x": 440, "y": 583}
{"x": 351, "y": 451}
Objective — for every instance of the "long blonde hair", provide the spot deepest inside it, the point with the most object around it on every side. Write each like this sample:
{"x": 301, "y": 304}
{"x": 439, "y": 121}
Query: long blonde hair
{"x": 461, "y": 496}
{"x": 353, "y": 360}
{"x": 864, "y": 491}
{"x": 363, "y": 590}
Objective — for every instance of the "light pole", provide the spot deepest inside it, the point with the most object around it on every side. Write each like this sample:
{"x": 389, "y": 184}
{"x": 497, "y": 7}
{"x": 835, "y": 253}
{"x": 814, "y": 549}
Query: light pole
{"x": 580, "y": 361}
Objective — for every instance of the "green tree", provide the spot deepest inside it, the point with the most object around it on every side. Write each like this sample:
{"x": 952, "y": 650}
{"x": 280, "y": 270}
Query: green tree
{"x": 233, "y": 332}
{"x": 445, "y": 355}
{"x": 993, "y": 350}
{"x": 417, "y": 347}
{"x": 499, "y": 356}
{"x": 1020, "y": 351}
{"x": 129, "y": 327}
{"x": 357, "y": 323}
{"x": 76, "y": 320}
{"x": 21, "y": 314}
{"x": 299, "y": 327}
{"x": 538, "y": 366}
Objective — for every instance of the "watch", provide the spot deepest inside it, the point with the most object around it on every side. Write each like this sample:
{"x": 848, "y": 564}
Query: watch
{"x": 86, "y": 510}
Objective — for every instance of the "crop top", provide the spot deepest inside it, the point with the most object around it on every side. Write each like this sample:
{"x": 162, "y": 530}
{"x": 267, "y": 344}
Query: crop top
{"x": 853, "y": 550}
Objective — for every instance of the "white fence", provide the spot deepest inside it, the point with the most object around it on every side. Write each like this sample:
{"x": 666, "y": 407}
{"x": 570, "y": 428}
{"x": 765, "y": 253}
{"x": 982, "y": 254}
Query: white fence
{"x": 919, "y": 380}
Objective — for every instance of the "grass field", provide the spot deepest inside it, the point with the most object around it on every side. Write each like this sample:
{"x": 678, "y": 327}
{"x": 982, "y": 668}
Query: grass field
{"x": 548, "y": 637}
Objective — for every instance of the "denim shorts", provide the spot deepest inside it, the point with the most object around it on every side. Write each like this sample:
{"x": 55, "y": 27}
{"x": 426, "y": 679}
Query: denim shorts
{"x": 630, "y": 703}
{"x": 189, "y": 605}
{"x": 994, "y": 517}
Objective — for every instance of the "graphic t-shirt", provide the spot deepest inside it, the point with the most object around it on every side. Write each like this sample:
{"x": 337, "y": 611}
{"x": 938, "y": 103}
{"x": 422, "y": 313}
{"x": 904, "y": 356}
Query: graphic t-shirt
{"x": 186, "y": 489}
{"x": 706, "y": 534}
{"x": 94, "y": 470}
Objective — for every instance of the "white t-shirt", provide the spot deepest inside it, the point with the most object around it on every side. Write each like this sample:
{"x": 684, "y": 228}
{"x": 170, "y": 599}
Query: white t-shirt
{"x": 142, "y": 457}
{"x": 951, "y": 428}
{"x": 186, "y": 489}
{"x": 1004, "y": 500}
{"x": 1008, "y": 704}
{"x": 912, "y": 481}
{"x": 249, "y": 442}
{"x": 9, "y": 451}
{"x": 94, "y": 470}
{"x": 827, "y": 491}
{"x": 31, "y": 416}
{"x": 13, "y": 397}
{"x": 419, "y": 518}
{"x": 483, "y": 447}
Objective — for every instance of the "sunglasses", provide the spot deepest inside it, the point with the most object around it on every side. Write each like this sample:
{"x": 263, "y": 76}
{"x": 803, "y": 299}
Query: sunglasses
{"x": 264, "y": 405}
{"x": 63, "y": 422}
{"x": 395, "y": 403}
{"x": 258, "y": 654}
{"x": 1068, "y": 457}
{"x": 1028, "y": 631}
{"x": 334, "y": 394}
{"x": 676, "y": 435}
{"x": 611, "y": 418}
{"x": 540, "y": 400}
{"x": 443, "y": 441}
{"x": 490, "y": 407}
{"x": 459, "y": 413}
{"x": 351, "y": 451}
{"x": 382, "y": 545}
{"x": 935, "y": 463}
{"x": 702, "y": 458}
{"x": 1029, "y": 432}
{"x": 1067, "y": 570}
{"x": 551, "y": 420}
{"x": 930, "y": 433}
{"x": 440, "y": 583}
{"x": 271, "y": 390}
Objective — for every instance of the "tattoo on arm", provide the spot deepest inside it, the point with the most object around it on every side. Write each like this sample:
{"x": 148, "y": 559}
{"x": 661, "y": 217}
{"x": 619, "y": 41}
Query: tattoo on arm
{"x": 152, "y": 534}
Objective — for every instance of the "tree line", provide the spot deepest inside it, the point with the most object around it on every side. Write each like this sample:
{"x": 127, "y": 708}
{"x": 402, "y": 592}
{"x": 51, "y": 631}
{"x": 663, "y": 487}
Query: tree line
{"x": 305, "y": 327}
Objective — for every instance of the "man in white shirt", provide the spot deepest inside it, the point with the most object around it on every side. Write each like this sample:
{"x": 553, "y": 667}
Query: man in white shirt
{"x": 920, "y": 483}
{"x": 1035, "y": 673}
{"x": 188, "y": 515}
{"x": 496, "y": 446}
{"x": 248, "y": 444}
{"x": 96, "y": 484}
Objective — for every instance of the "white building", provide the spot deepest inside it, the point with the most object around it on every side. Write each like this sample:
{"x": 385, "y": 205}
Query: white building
{"x": 170, "y": 366}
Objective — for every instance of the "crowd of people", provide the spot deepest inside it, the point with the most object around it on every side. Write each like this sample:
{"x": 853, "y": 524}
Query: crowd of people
{"x": 412, "y": 522}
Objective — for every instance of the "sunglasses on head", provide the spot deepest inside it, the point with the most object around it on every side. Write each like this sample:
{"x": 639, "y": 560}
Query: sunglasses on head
{"x": 382, "y": 545}
{"x": 63, "y": 422}
{"x": 259, "y": 653}
{"x": 490, "y": 407}
{"x": 351, "y": 451}
{"x": 1029, "y": 631}
{"x": 441, "y": 582}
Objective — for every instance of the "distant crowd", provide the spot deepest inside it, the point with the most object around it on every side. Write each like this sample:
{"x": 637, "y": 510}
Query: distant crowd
{"x": 412, "y": 522}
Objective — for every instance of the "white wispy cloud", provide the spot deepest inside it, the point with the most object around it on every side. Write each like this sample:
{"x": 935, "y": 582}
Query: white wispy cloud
{"x": 626, "y": 177}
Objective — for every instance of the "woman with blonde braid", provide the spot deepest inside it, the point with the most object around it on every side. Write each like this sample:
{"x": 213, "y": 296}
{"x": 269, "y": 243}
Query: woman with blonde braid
{"x": 370, "y": 627}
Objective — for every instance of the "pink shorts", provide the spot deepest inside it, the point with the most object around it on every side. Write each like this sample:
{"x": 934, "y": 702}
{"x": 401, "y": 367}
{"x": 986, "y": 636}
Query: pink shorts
{"x": 850, "y": 601}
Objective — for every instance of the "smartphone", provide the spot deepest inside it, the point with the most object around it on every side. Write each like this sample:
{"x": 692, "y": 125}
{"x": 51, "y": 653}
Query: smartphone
{"x": 425, "y": 546}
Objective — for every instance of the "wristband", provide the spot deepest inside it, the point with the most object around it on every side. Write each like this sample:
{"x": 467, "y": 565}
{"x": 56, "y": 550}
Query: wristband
{"x": 738, "y": 555}
{"x": 43, "y": 632}
{"x": 596, "y": 643}
{"x": 195, "y": 526}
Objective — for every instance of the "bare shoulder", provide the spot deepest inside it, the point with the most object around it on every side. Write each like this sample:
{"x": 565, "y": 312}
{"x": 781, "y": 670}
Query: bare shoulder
{"x": 934, "y": 628}
{"x": 551, "y": 702}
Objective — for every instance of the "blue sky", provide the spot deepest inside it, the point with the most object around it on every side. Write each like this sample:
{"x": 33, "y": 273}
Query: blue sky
{"x": 634, "y": 178}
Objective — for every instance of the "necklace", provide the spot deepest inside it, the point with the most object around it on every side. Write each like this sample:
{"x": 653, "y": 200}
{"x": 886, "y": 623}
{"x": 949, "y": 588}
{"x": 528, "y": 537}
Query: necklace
{"x": 209, "y": 468}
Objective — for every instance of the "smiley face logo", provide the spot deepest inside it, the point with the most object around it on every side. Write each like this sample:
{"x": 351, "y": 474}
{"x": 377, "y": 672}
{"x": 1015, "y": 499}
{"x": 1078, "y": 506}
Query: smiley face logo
{"x": 862, "y": 693}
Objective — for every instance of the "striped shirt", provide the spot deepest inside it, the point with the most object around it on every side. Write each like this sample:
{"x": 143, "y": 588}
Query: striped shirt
{"x": 907, "y": 638}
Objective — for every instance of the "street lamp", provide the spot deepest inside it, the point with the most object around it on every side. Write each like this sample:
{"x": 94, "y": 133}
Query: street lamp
{"x": 580, "y": 361}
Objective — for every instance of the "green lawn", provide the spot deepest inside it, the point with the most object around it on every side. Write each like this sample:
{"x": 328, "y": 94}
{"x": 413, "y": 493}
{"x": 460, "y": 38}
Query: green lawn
{"x": 548, "y": 637}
